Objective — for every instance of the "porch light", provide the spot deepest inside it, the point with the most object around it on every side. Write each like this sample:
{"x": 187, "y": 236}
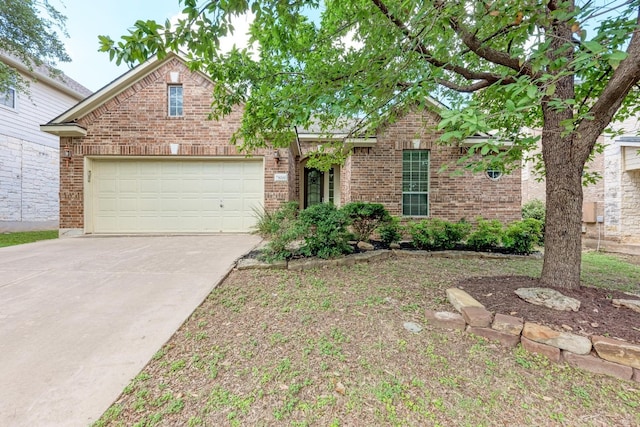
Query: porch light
{"x": 276, "y": 156}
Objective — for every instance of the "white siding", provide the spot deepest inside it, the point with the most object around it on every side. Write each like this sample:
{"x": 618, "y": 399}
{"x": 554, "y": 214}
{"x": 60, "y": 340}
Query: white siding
{"x": 33, "y": 109}
{"x": 29, "y": 158}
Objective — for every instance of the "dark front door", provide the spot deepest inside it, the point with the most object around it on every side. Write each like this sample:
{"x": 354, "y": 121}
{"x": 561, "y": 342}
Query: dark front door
{"x": 313, "y": 187}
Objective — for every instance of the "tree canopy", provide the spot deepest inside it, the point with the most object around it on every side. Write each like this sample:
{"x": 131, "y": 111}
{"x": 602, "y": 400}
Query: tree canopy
{"x": 30, "y": 31}
{"x": 564, "y": 67}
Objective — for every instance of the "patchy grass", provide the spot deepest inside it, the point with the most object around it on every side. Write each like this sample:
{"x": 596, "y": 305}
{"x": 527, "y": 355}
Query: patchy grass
{"x": 610, "y": 271}
{"x": 328, "y": 348}
{"x": 12, "y": 239}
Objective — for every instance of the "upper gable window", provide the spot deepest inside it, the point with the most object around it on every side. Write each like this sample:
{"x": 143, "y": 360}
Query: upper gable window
{"x": 8, "y": 98}
{"x": 175, "y": 101}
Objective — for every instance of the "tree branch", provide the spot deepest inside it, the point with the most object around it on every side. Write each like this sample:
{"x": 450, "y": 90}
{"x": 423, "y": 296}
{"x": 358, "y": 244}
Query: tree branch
{"x": 624, "y": 78}
{"x": 425, "y": 53}
{"x": 492, "y": 55}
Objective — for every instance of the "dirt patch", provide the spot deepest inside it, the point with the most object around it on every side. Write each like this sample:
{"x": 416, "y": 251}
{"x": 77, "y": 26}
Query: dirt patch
{"x": 597, "y": 315}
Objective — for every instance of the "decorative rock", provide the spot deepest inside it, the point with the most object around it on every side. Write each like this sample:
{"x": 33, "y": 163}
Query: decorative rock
{"x": 477, "y": 316}
{"x": 627, "y": 303}
{"x": 508, "y": 324}
{"x": 254, "y": 264}
{"x": 459, "y": 298}
{"x": 618, "y": 351}
{"x": 548, "y": 298}
{"x": 506, "y": 340}
{"x": 412, "y": 327}
{"x": 310, "y": 263}
{"x": 394, "y": 246}
{"x": 445, "y": 319}
{"x": 365, "y": 246}
{"x": 563, "y": 340}
{"x": 597, "y": 366}
{"x": 552, "y": 353}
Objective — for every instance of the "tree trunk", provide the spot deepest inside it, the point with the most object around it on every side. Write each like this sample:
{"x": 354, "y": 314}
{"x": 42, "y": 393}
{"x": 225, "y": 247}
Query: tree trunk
{"x": 563, "y": 234}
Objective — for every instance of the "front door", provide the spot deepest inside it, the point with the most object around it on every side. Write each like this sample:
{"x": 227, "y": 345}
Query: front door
{"x": 313, "y": 187}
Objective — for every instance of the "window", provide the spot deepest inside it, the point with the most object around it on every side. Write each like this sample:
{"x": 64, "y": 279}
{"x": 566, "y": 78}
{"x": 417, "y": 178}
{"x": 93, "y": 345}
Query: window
{"x": 415, "y": 182}
{"x": 175, "y": 101}
{"x": 8, "y": 98}
{"x": 494, "y": 174}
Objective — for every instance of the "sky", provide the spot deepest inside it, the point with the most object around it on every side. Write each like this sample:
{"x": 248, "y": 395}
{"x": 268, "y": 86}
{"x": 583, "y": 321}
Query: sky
{"x": 86, "y": 20}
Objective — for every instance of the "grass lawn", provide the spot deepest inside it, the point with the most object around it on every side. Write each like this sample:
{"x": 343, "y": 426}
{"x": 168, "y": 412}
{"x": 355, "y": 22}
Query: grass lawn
{"x": 328, "y": 348}
{"x": 11, "y": 239}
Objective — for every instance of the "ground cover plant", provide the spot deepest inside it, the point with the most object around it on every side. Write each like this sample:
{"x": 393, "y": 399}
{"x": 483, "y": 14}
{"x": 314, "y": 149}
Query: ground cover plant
{"x": 19, "y": 238}
{"x": 328, "y": 347}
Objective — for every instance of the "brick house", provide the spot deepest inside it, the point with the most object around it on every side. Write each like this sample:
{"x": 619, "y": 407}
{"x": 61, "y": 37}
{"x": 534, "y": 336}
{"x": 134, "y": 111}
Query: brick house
{"x": 29, "y": 174}
{"x": 140, "y": 156}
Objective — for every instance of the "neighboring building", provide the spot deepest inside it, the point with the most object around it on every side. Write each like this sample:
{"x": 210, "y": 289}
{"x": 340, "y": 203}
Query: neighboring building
{"x": 29, "y": 158}
{"x": 611, "y": 206}
{"x": 141, "y": 157}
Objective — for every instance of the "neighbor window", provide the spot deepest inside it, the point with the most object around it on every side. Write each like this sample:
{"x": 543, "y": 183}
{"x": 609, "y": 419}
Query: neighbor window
{"x": 8, "y": 98}
{"x": 175, "y": 100}
{"x": 415, "y": 182}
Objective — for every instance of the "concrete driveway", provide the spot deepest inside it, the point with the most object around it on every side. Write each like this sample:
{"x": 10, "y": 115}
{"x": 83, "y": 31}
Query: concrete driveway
{"x": 80, "y": 317}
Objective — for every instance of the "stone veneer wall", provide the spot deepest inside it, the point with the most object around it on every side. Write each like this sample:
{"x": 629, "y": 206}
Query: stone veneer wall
{"x": 630, "y": 209}
{"x": 29, "y": 178}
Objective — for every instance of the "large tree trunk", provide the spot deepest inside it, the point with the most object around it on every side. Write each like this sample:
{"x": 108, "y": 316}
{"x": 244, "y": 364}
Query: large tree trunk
{"x": 562, "y": 240}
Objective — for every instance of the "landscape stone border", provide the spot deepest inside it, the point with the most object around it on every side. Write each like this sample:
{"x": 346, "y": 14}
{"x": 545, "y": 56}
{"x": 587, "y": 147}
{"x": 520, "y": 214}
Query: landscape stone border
{"x": 596, "y": 354}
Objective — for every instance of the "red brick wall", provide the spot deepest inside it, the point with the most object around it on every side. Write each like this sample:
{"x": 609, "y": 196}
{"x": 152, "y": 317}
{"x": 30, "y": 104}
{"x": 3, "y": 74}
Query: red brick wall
{"x": 135, "y": 123}
{"x": 375, "y": 175}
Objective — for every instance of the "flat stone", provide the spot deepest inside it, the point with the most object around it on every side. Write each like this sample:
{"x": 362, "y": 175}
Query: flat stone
{"x": 627, "y": 303}
{"x": 394, "y": 246}
{"x": 636, "y": 375}
{"x": 549, "y": 298}
{"x": 597, "y": 365}
{"x": 255, "y": 264}
{"x": 310, "y": 263}
{"x": 477, "y": 316}
{"x": 552, "y": 353}
{"x": 617, "y": 351}
{"x": 412, "y": 327}
{"x": 563, "y": 340}
{"x": 508, "y": 324}
{"x": 365, "y": 246}
{"x": 445, "y": 320}
{"x": 459, "y": 298}
{"x": 505, "y": 339}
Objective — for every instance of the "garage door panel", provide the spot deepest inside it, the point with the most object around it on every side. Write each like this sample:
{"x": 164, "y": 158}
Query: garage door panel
{"x": 175, "y": 195}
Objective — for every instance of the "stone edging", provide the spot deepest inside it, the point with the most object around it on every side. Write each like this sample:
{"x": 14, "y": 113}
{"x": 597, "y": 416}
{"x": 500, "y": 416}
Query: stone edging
{"x": 596, "y": 354}
{"x": 370, "y": 256}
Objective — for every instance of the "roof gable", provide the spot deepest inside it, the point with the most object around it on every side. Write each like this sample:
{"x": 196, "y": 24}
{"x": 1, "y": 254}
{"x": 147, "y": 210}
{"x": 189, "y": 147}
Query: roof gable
{"x": 113, "y": 89}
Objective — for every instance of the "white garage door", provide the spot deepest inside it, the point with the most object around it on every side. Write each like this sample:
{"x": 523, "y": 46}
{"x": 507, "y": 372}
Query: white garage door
{"x": 174, "y": 195}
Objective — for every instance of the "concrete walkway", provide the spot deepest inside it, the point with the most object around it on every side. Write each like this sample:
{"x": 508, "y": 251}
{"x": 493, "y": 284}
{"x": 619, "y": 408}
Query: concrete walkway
{"x": 80, "y": 317}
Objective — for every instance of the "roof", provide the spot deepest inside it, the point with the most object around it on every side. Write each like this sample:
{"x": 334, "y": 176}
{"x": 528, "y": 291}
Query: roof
{"x": 49, "y": 76}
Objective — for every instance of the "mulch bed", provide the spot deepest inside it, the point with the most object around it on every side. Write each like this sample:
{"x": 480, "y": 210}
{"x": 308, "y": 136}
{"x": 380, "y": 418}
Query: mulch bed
{"x": 597, "y": 315}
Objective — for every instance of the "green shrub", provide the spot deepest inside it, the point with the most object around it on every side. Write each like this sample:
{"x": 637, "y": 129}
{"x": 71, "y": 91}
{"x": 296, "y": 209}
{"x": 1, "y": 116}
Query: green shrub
{"x": 437, "y": 234}
{"x": 365, "y": 218}
{"x": 520, "y": 237}
{"x": 325, "y": 231}
{"x": 535, "y": 209}
{"x": 270, "y": 224}
{"x": 486, "y": 236}
{"x": 391, "y": 231}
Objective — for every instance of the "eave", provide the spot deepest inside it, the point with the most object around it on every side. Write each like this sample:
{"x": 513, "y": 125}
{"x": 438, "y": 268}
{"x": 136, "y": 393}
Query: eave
{"x": 64, "y": 129}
